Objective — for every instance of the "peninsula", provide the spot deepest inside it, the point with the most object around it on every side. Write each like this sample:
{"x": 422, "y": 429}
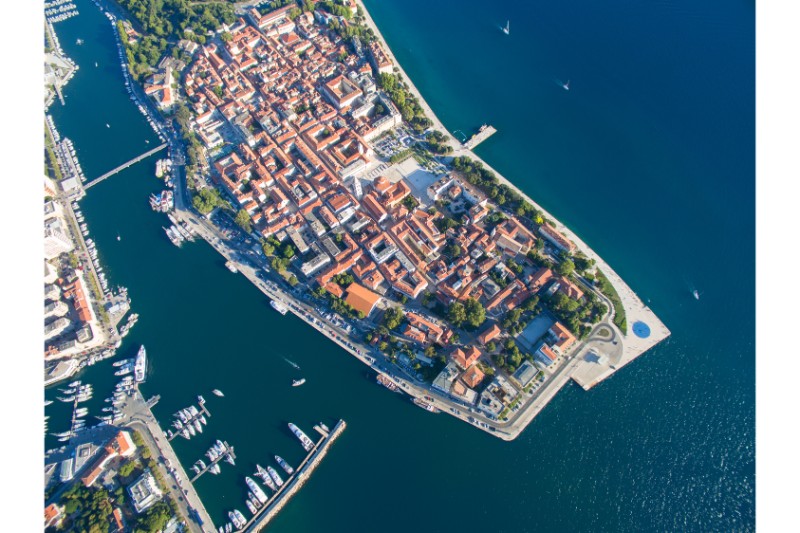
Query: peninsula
{"x": 301, "y": 151}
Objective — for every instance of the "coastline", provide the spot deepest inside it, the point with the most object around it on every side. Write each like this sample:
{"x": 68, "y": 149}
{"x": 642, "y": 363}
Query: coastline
{"x": 635, "y": 309}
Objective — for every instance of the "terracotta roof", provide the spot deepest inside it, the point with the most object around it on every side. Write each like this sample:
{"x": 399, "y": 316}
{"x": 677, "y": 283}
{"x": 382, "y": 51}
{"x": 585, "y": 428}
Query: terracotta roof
{"x": 361, "y": 298}
{"x": 473, "y": 376}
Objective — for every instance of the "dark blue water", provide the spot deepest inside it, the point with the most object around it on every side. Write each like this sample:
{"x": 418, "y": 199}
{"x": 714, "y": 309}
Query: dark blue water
{"x": 649, "y": 158}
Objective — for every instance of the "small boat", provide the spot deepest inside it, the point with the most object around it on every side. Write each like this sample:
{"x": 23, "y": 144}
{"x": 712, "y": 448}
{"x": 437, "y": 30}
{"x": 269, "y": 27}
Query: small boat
{"x": 288, "y": 469}
{"x": 426, "y": 406}
{"x": 47, "y": 402}
{"x": 218, "y": 392}
{"x": 507, "y": 28}
{"x": 298, "y": 382}
{"x": 95, "y": 63}
{"x": 566, "y": 86}
{"x": 119, "y": 238}
{"x": 696, "y": 294}
{"x": 198, "y": 426}
{"x": 107, "y": 126}
{"x": 229, "y": 459}
{"x": 250, "y": 507}
{"x": 275, "y": 477}
{"x": 191, "y": 429}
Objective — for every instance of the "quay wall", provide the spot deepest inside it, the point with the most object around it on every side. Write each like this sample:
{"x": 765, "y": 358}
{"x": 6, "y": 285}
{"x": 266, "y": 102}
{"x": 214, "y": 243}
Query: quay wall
{"x": 298, "y": 481}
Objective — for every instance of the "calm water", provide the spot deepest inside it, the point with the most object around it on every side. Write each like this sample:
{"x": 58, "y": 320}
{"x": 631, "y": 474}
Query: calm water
{"x": 649, "y": 158}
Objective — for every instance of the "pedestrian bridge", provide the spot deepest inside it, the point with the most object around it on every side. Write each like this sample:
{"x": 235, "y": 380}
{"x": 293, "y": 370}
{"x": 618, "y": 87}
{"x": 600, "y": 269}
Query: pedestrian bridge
{"x": 125, "y": 165}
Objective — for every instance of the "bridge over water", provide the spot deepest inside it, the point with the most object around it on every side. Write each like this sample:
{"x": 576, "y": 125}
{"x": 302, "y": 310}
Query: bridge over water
{"x": 125, "y": 165}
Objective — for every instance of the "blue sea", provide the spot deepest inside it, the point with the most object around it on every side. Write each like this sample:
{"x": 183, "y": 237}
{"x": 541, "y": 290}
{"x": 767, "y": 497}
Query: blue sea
{"x": 649, "y": 158}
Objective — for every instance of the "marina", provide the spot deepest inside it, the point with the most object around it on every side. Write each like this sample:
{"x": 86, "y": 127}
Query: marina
{"x": 190, "y": 421}
{"x": 295, "y": 481}
{"x": 220, "y": 451}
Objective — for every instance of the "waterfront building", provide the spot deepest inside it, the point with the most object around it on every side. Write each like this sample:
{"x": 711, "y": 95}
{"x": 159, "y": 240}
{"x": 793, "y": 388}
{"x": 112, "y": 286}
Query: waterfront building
{"x": 562, "y": 338}
{"x": 554, "y": 236}
{"x": 444, "y": 381}
{"x": 361, "y": 299}
{"x": 56, "y": 239}
{"x": 119, "y": 446}
{"x": 144, "y": 491}
{"x": 525, "y": 373}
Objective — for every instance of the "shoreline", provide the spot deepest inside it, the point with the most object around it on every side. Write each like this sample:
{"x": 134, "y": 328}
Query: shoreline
{"x": 635, "y": 309}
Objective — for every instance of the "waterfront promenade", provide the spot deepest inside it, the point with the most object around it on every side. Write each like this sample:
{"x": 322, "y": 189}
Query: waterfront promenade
{"x": 635, "y": 310}
{"x": 177, "y": 480}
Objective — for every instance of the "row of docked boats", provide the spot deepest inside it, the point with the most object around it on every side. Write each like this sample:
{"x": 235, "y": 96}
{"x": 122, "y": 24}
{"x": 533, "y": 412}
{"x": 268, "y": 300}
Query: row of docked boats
{"x": 189, "y": 422}
{"x": 217, "y": 450}
{"x": 126, "y": 327}
{"x": 158, "y": 128}
{"x": 76, "y": 392}
{"x": 162, "y": 202}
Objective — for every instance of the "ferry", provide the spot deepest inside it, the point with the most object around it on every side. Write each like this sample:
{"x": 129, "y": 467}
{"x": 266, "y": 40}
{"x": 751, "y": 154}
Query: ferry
{"x": 218, "y": 392}
{"x": 253, "y": 486}
{"x": 288, "y": 469}
{"x": 298, "y": 382}
{"x": 275, "y": 477}
{"x": 426, "y": 406}
{"x": 140, "y": 366}
{"x": 232, "y": 267}
{"x": 279, "y": 306}
{"x": 388, "y": 383}
{"x": 304, "y": 440}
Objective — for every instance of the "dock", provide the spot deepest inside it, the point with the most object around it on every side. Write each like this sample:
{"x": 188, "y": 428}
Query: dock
{"x": 220, "y": 457}
{"x": 296, "y": 480}
{"x": 201, "y": 411}
{"x": 484, "y": 133}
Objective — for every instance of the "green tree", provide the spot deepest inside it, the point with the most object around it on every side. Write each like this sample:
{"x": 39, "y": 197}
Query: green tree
{"x": 475, "y": 313}
{"x": 457, "y": 314}
{"x": 126, "y": 469}
{"x": 430, "y": 351}
{"x": 565, "y": 267}
{"x": 393, "y": 317}
{"x": 244, "y": 221}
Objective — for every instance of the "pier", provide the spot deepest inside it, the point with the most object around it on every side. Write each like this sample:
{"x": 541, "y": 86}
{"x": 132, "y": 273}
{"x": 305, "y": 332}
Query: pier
{"x": 202, "y": 411}
{"x": 125, "y": 165}
{"x": 484, "y": 133}
{"x": 296, "y": 481}
{"x": 220, "y": 457}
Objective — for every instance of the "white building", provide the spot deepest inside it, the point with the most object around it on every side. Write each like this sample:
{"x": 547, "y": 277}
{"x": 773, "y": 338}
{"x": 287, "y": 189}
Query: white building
{"x": 56, "y": 240}
{"x": 144, "y": 492}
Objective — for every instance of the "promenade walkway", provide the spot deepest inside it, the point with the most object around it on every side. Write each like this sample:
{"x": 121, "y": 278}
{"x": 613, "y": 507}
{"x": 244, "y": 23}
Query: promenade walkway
{"x": 181, "y": 489}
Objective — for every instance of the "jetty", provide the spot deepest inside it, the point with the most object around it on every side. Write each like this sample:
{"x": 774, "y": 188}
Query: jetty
{"x": 484, "y": 133}
{"x": 190, "y": 420}
{"x": 125, "y": 165}
{"x": 220, "y": 457}
{"x": 296, "y": 480}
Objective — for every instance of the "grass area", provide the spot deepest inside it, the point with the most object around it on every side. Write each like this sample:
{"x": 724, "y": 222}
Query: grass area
{"x": 611, "y": 293}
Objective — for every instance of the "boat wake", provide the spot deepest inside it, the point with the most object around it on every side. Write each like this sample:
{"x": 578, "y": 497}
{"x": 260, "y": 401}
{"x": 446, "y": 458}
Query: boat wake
{"x": 295, "y": 365}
